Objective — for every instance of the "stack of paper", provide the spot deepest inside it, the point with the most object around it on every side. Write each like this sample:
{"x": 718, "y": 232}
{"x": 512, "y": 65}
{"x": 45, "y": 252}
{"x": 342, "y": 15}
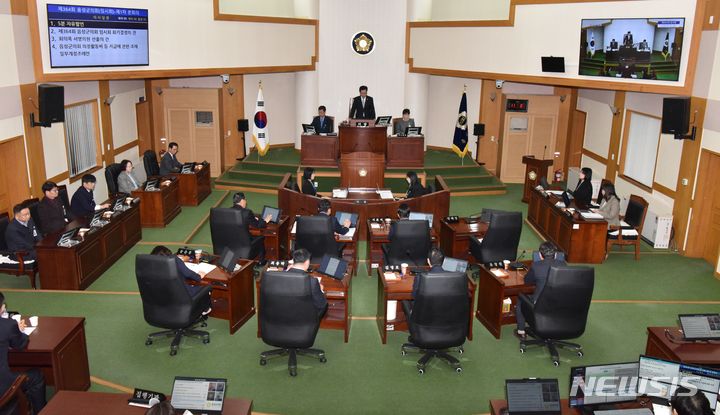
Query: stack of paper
{"x": 385, "y": 194}
{"x": 391, "y": 276}
{"x": 201, "y": 268}
{"x": 340, "y": 193}
{"x": 375, "y": 226}
{"x": 500, "y": 273}
{"x": 591, "y": 215}
{"x": 349, "y": 235}
{"x": 625, "y": 232}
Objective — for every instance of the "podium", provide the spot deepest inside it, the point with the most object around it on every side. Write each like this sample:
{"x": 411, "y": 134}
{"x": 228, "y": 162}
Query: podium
{"x": 354, "y": 139}
{"x": 362, "y": 169}
{"x": 534, "y": 170}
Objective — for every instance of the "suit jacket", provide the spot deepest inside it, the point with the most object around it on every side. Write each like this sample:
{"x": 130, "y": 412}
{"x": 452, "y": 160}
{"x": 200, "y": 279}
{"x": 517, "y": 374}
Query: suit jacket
{"x": 82, "y": 203}
{"x": 319, "y": 300}
{"x": 436, "y": 269}
{"x": 401, "y": 125}
{"x": 249, "y": 218}
{"x": 19, "y": 237}
{"x": 169, "y": 164}
{"x": 188, "y": 274}
{"x": 308, "y": 187}
{"x": 337, "y": 227}
{"x": 415, "y": 190}
{"x": 357, "y": 110}
{"x": 613, "y": 45}
{"x": 326, "y": 127}
{"x": 10, "y": 337}
{"x": 610, "y": 210}
{"x": 583, "y": 194}
{"x": 53, "y": 215}
{"x": 125, "y": 182}
{"x": 627, "y": 39}
{"x": 539, "y": 272}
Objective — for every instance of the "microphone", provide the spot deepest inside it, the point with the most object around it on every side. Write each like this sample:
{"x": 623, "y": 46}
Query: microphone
{"x": 517, "y": 264}
{"x": 544, "y": 150}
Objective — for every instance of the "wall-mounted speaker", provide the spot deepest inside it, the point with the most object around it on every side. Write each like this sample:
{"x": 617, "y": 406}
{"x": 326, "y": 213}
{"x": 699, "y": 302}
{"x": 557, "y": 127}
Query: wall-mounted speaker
{"x": 479, "y": 129}
{"x": 243, "y": 125}
{"x": 676, "y": 116}
{"x": 52, "y": 103}
{"x": 553, "y": 64}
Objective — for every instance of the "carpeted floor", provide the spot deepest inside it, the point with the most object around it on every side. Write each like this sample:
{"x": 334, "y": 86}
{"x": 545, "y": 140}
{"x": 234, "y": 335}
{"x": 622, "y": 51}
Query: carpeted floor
{"x": 364, "y": 376}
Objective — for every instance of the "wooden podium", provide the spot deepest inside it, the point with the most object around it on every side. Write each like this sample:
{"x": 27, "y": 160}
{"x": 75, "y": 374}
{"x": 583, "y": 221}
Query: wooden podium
{"x": 534, "y": 170}
{"x": 354, "y": 139}
{"x": 362, "y": 169}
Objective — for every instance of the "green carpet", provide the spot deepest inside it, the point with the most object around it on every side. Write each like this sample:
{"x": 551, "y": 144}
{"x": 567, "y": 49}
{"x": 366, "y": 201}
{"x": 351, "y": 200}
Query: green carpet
{"x": 364, "y": 376}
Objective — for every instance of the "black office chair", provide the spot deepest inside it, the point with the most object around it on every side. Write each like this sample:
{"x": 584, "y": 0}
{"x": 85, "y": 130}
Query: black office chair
{"x": 288, "y": 317}
{"x": 111, "y": 178}
{"x": 317, "y": 235}
{"x": 438, "y": 319}
{"x": 228, "y": 230}
{"x": 167, "y": 303}
{"x": 18, "y": 266}
{"x": 33, "y": 204}
{"x": 560, "y": 312}
{"x": 501, "y": 239}
{"x": 152, "y": 168}
{"x": 410, "y": 243}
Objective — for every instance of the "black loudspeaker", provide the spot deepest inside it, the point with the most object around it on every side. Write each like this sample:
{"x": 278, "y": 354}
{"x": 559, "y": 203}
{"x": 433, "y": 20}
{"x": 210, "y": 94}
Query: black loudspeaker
{"x": 553, "y": 64}
{"x": 52, "y": 103}
{"x": 676, "y": 116}
{"x": 479, "y": 129}
{"x": 243, "y": 125}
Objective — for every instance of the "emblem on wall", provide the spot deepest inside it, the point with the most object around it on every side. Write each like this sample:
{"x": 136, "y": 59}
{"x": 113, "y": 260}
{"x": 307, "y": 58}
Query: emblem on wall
{"x": 363, "y": 43}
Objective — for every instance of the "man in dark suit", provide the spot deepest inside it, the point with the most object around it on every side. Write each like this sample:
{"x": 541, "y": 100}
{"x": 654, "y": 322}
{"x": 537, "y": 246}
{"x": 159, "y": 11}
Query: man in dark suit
{"x": 435, "y": 260}
{"x": 169, "y": 162}
{"x": 628, "y": 39}
{"x": 322, "y": 124}
{"x": 613, "y": 44}
{"x": 403, "y": 213}
{"x": 51, "y": 210}
{"x": 83, "y": 203}
{"x": 21, "y": 234}
{"x": 537, "y": 275}
{"x": 250, "y": 220}
{"x": 11, "y": 336}
{"x": 300, "y": 265}
{"x": 363, "y": 107}
{"x": 325, "y": 209}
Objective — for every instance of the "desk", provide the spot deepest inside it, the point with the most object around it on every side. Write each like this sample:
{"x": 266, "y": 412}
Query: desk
{"x": 406, "y": 152}
{"x": 193, "y": 187}
{"x": 277, "y": 241}
{"x": 234, "y": 301}
{"x": 499, "y": 406}
{"x": 319, "y": 150}
{"x": 582, "y": 240}
{"x": 399, "y": 290}
{"x": 338, "y": 294}
{"x": 159, "y": 207}
{"x": 455, "y": 237}
{"x": 58, "y": 348}
{"x": 350, "y": 247}
{"x": 372, "y": 139}
{"x": 379, "y": 236}
{"x": 658, "y": 345}
{"x": 492, "y": 290}
{"x": 77, "y": 267}
{"x": 73, "y": 403}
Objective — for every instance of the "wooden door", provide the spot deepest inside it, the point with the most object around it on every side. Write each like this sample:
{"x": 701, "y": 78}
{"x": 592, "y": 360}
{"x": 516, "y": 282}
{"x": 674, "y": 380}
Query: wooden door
{"x": 14, "y": 182}
{"x": 577, "y": 136}
{"x": 144, "y": 129}
{"x": 704, "y": 238}
{"x": 179, "y": 130}
{"x": 515, "y": 145}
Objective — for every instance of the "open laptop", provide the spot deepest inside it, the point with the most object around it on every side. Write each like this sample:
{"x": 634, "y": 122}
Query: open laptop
{"x": 413, "y": 131}
{"x": 333, "y": 267}
{"x": 308, "y": 129}
{"x": 532, "y": 396}
{"x": 422, "y": 216}
{"x": 342, "y": 216}
{"x": 700, "y": 326}
{"x": 454, "y": 265}
{"x": 198, "y": 395}
{"x": 273, "y": 211}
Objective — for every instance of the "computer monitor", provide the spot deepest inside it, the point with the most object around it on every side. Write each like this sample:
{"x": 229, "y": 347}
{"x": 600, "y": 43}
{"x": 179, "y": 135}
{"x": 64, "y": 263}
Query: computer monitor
{"x": 410, "y": 131}
{"x": 309, "y": 129}
{"x": 228, "y": 259}
{"x": 333, "y": 267}
{"x": 67, "y": 236}
{"x": 273, "y": 211}
{"x": 151, "y": 184}
{"x": 97, "y": 217}
{"x": 118, "y": 204}
{"x": 454, "y": 265}
{"x": 659, "y": 379}
{"x": 532, "y": 396}
{"x": 603, "y": 384}
{"x": 700, "y": 326}
{"x": 422, "y": 216}
{"x": 383, "y": 121}
{"x": 342, "y": 216}
{"x": 205, "y": 395}
{"x": 187, "y": 168}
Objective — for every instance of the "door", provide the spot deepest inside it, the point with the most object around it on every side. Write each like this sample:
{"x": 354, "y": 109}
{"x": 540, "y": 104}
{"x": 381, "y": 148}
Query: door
{"x": 704, "y": 238}
{"x": 14, "y": 183}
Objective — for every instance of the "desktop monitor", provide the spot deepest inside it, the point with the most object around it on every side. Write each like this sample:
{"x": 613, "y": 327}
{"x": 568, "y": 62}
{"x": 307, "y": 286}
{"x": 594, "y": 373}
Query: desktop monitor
{"x": 700, "y": 326}
{"x": 383, "y": 121}
{"x": 342, "y": 216}
{"x": 228, "y": 259}
{"x": 118, "y": 204}
{"x": 411, "y": 131}
{"x": 454, "y": 265}
{"x": 659, "y": 379}
{"x": 151, "y": 184}
{"x": 532, "y": 396}
{"x": 333, "y": 267}
{"x": 204, "y": 395}
{"x": 422, "y": 216}
{"x": 97, "y": 217}
{"x": 273, "y": 211}
{"x": 308, "y": 129}
{"x": 603, "y": 384}
{"x": 67, "y": 236}
{"x": 187, "y": 168}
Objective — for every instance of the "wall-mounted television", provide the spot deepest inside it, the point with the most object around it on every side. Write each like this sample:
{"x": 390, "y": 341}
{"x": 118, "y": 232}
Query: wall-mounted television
{"x": 87, "y": 36}
{"x": 632, "y": 48}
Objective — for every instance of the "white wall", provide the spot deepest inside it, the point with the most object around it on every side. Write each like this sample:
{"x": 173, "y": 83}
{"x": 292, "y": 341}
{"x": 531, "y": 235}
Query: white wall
{"x": 470, "y": 9}
{"x": 598, "y": 125}
{"x": 443, "y": 103}
{"x": 279, "y": 94}
{"x": 276, "y": 8}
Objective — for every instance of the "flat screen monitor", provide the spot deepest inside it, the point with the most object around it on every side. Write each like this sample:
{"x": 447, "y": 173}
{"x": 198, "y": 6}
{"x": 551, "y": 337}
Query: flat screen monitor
{"x": 700, "y": 326}
{"x": 92, "y": 36}
{"x": 383, "y": 121}
{"x": 454, "y": 265}
{"x": 308, "y": 129}
{"x": 205, "y": 395}
{"x": 67, "y": 236}
{"x": 552, "y": 64}
{"x": 637, "y": 48}
{"x": 272, "y": 211}
{"x": 603, "y": 384}
{"x": 413, "y": 131}
{"x": 118, "y": 204}
{"x": 532, "y": 396}
{"x": 187, "y": 168}
{"x": 228, "y": 259}
{"x": 343, "y": 216}
{"x": 659, "y": 379}
{"x": 333, "y": 267}
{"x": 97, "y": 217}
{"x": 151, "y": 184}
{"x": 422, "y": 216}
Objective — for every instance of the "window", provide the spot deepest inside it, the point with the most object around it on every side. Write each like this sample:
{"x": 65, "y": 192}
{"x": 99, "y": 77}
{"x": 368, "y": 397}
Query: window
{"x": 82, "y": 137}
{"x": 640, "y": 147}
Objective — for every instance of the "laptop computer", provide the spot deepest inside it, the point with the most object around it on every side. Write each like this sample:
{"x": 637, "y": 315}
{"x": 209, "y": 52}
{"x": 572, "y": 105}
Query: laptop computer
{"x": 342, "y": 216}
{"x": 454, "y": 265}
{"x": 333, "y": 267}
{"x": 273, "y": 211}
{"x": 199, "y": 395}
{"x": 532, "y": 396}
{"x": 700, "y": 326}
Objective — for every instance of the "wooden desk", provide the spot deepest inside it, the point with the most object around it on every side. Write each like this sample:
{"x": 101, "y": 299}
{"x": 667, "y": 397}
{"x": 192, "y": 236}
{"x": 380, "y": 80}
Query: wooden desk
{"x": 73, "y": 403}
{"x": 658, "y": 345}
{"x": 193, "y": 187}
{"x": 77, "y": 267}
{"x": 159, "y": 207}
{"x": 406, "y": 152}
{"x": 58, "y": 348}
{"x": 399, "y": 290}
{"x": 379, "y": 236}
{"x": 319, "y": 150}
{"x": 492, "y": 290}
{"x": 338, "y": 294}
{"x": 499, "y": 406}
{"x": 372, "y": 139}
{"x": 232, "y": 296}
{"x": 350, "y": 247}
{"x": 455, "y": 237}
{"x": 277, "y": 238}
{"x": 582, "y": 240}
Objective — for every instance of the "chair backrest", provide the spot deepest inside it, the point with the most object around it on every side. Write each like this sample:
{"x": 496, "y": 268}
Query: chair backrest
{"x": 317, "y": 235}
{"x": 228, "y": 230}
{"x": 33, "y": 204}
{"x": 410, "y": 242}
{"x": 502, "y": 238}
{"x": 4, "y": 222}
{"x": 14, "y": 401}
{"x": 561, "y": 310}
{"x": 111, "y": 177}
{"x": 441, "y": 311}
{"x": 152, "y": 168}
{"x": 166, "y": 301}
{"x": 635, "y": 212}
{"x": 288, "y": 317}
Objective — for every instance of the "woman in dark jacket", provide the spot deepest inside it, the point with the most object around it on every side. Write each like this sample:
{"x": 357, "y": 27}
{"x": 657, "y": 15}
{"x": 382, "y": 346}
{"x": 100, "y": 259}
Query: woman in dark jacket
{"x": 415, "y": 188}
{"x": 308, "y": 185}
{"x": 583, "y": 190}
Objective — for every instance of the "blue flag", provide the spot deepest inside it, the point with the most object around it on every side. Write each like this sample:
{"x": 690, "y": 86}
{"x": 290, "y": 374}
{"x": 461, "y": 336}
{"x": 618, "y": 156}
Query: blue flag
{"x": 460, "y": 140}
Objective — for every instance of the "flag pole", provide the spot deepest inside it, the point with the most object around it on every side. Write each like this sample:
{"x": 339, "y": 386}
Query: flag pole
{"x": 462, "y": 160}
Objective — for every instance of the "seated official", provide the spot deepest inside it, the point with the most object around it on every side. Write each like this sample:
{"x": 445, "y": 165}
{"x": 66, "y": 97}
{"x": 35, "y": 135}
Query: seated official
{"x": 127, "y": 181}
{"x": 403, "y": 213}
{"x": 583, "y": 190}
{"x": 362, "y": 107}
{"x": 51, "y": 209}
{"x": 415, "y": 188}
{"x": 12, "y": 336}
{"x": 537, "y": 275}
{"x": 609, "y": 205}
{"x": 301, "y": 263}
{"x": 250, "y": 220}
{"x": 322, "y": 124}
{"x": 21, "y": 233}
{"x": 435, "y": 260}
{"x": 83, "y": 203}
{"x": 308, "y": 182}
{"x": 690, "y": 402}
{"x": 402, "y": 124}
{"x": 169, "y": 162}
{"x": 183, "y": 270}
{"x": 325, "y": 209}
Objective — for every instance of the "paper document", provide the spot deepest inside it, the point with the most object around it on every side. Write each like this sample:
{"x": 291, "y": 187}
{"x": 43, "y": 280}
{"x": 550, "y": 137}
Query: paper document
{"x": 294, "y": 227}
{"x": 591, "y": 215}
{"x": 555, "y": 192}
{"x": 201, "y": 268}
{"x": 385, "y": 194}
{"x": 29, "y": 330}
{"x": 634, "y": 411}
{"x": 375, "y": 226}
{"x": 624, "y": 224}
{"x": 661, "y": 409}
{"x": 340, "y": 193}
{"x": 391, "y": 310}
{"x": 560, "y": 204}
{"x": 391, "y": 276}
{"x": 625, "y": 232}
{"x": 500, "y": 273}
{"x": 349, "y": 235}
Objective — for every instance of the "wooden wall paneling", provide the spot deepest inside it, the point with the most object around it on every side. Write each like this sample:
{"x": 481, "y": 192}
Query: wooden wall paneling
{"x": 144, "y": 127}
{"x": 491, "y": 105}
{"x": 574, "y": 148}
{"x": 233, "y": 109}
{"x": 704, "y": 232}
{"x": 615, "y": 132}
{"x": 33, "y": 139}
{"x": 108, "y": 145}
{"x": 712, "y": 11}
{"x": 14, "y": 183}
{"x": 157, "y": 111}
{"x": 568, "y": 103}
